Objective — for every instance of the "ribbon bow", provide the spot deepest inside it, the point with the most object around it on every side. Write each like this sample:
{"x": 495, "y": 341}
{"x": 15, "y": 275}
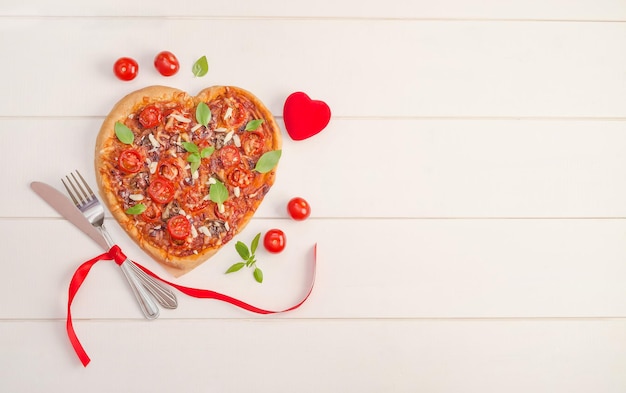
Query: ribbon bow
{"x": 116, "y": 254}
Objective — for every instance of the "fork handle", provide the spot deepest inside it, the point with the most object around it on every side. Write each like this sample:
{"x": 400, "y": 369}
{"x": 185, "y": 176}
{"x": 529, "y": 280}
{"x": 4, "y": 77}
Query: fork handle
{"x": 163, "y": 295}
{"x": 147, "y": 304}
{"x": 140, "y": 282}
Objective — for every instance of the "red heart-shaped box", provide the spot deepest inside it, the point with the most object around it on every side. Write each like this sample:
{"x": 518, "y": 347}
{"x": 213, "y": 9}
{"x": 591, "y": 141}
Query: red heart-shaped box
{"x": 304, "y": 117}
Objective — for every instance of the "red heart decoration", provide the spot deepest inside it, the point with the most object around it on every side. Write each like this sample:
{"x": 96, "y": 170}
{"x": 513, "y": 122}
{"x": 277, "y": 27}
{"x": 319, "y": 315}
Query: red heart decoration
{"x": 304, "y": 117}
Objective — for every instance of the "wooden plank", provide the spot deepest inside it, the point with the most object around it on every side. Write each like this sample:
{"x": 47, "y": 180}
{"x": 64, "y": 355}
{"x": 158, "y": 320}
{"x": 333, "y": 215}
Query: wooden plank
{"x": 367, "y": 269}
{"x": 371, "y": 68}
{"x": 576, "y": 356}
{"x": 605, "y": 10}
{"x": 382, "y": 167}
{"x": 468, "y": 198}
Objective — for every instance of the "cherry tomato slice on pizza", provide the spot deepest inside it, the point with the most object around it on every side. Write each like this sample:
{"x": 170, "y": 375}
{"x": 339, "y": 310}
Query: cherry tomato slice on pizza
{"x": 166, "y": 63}
{"x": 236, "y": 116}
{"x": 252, "y": 143}
{"x": 130, "y": 160}
{"x": 150, "y": 116}
{"x": 274, "y": 240}
{"x": 170, "y": 169}
{"x": 125, "y": 68}
{"x": 229, "y": 113}
{"x": 239, "y": 177}
{"x": 298, "y": 208}
{"x": 179, "y": 227}
{"x": 229, "y": 155}
{"x": 161, "y": 190}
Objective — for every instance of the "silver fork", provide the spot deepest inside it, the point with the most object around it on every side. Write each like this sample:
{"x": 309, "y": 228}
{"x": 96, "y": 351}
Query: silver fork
{"x": 87, "y": 202}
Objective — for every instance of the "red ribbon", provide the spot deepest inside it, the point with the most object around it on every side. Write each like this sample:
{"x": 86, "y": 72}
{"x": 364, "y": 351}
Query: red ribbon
{"x": 116, "y": 254}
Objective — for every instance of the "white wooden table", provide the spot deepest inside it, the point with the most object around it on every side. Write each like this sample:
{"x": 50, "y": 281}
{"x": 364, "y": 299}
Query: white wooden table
{"x": 469, "y": 198}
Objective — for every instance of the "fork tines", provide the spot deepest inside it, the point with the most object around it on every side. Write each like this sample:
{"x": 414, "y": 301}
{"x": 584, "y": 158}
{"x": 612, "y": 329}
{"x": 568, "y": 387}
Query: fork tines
{"x": 76, "y": 190}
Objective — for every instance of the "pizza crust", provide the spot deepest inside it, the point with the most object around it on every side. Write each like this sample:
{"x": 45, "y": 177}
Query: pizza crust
{"x": 175, "y": 265}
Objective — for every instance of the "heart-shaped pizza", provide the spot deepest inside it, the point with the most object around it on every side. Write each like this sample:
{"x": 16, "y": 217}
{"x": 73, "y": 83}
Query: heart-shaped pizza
{"x": 183, "y": 175}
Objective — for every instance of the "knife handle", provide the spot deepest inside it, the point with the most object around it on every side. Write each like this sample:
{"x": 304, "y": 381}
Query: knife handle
{"x": 147, "y": 304}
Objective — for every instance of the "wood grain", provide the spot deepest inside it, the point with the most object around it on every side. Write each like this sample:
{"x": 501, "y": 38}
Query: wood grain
{"x": 420, "y": 68}
{"x": 404, "y": 168}
{"x": 468, "y": 198}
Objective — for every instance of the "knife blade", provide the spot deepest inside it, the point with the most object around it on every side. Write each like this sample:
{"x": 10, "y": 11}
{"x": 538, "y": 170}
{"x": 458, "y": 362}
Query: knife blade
{"x": 66, "y": 208}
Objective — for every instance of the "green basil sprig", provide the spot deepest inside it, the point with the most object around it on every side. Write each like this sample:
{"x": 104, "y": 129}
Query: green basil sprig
{"x": 196, "y": 154}
{"x": 249, "y": 259}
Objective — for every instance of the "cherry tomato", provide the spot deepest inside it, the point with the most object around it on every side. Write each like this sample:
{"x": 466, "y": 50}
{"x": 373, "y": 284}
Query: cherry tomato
{"x": 252, "y": 143}
{"x": 229, "y": 156}
{"x": 130, "y": 160}
{"x": 274, "y": 240}
{"x": 152, "y": 213}
{"x": 239, "y": 177}
{"x": 150, "y": 116}
{"x": 179, "y": 227}
{"x": 161, "y": 190}
{"x": 298, "y": 208}
{"x": 166, "y": 63}
{"x": 126, "y": 68}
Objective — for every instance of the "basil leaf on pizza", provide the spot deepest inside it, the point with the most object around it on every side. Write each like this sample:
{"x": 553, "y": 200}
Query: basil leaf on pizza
{"x": 201, "y": 175}
{"x": 194, "y": 162}
{"x": 218, "y": 193}
{"x": 191, "y": 147}
{"x": 196, "y": 155}
{"x": 193, "y": 158}
{"x": 137, "y": 209}
{"x": 253, "y": 125}
{"x": 124, "y": 134}
{"x": 268, "y": 161}
{"x": 203, "y": 114}
{"x": 206, "y": 152}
